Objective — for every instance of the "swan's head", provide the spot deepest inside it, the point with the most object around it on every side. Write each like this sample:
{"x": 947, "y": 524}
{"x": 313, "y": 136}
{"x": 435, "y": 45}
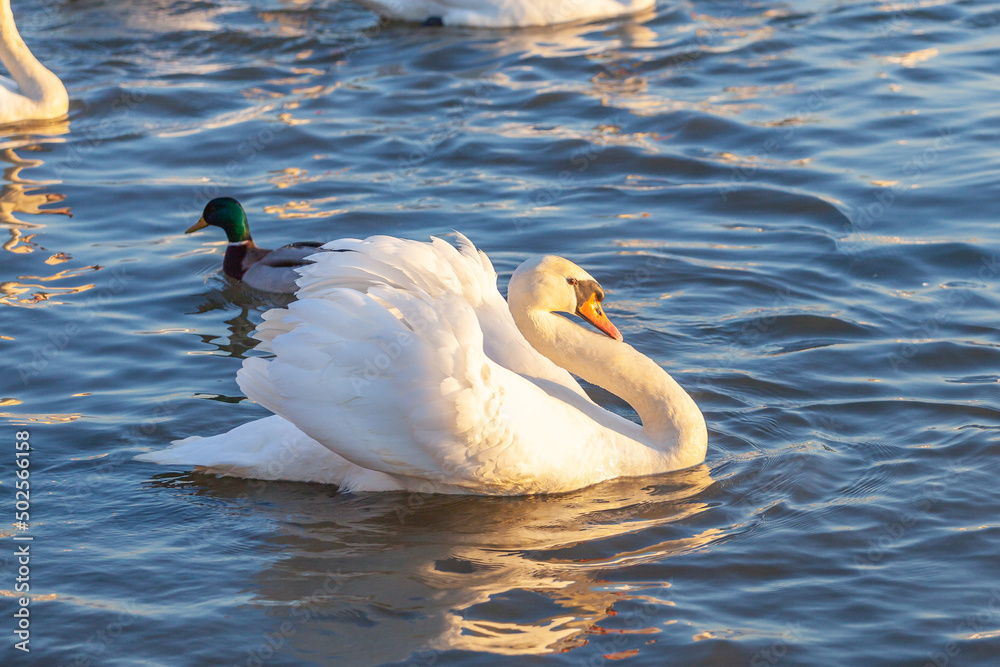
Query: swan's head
{"x": 227, "y": 213}
{"x": 558, "y": 285}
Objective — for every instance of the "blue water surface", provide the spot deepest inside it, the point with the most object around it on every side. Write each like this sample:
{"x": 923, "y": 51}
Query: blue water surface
{"x": 792, "y": 207}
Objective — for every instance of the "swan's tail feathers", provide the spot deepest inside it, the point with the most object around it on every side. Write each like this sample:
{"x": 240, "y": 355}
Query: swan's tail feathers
{"x": 272, "y": 449}
{"x": 249, "y": 445}
{"x": 178, "y": 452}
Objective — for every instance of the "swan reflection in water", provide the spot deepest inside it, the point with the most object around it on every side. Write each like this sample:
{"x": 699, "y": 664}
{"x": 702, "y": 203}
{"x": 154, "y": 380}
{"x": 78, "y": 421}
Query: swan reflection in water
{"x": 24, "y": 195}
{"x": 369, "y": 578}
{"x": 20, "y": 197}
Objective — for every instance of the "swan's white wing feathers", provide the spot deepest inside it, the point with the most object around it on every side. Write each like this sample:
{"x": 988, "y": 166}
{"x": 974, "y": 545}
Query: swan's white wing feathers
{"x": 396, "y": 379}
{"x": 355, "y": 377}
{"x": 421, "y": 405}
{"x": 430, "y": 270}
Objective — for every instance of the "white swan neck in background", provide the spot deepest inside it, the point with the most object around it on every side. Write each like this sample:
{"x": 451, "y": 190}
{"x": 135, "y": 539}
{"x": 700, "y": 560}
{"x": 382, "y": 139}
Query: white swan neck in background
{"x": 506, "y": 13}
{"x": 38, "y": 94}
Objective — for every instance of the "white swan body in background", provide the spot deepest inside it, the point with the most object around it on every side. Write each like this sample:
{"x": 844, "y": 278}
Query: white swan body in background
{"x": 35, "y": 92}
{"x": 401, "y": 367}
{"x": 505, "y": 13}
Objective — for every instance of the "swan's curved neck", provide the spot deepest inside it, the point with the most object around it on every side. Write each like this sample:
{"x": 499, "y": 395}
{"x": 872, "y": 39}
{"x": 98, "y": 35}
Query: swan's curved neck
{"x": 34, "y": 80}
{"x": 671, "y": 421}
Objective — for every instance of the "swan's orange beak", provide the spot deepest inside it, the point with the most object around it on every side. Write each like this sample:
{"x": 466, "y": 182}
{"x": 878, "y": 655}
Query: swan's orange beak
{"x": 592, "y": 312}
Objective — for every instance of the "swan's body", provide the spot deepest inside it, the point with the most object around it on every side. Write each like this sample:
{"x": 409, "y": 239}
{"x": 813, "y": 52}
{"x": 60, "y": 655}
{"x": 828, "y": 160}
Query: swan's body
{"x": 505, "y": 13}
{"x": 34, "y": 92}
{"x": 400, "y": 366}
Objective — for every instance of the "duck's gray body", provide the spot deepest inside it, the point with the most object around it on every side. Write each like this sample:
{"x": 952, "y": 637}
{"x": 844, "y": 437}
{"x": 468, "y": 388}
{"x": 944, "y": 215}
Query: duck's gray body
{"x": 268, "y": 270}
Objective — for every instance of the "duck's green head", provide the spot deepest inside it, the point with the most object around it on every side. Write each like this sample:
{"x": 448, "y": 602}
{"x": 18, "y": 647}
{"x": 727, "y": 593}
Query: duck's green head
{"x": 227, "y": 213}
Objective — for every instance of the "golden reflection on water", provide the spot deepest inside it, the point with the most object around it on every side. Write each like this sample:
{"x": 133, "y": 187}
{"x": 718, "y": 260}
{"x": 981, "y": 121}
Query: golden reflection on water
{"x": 25, "y": 420}
{"x": 23, "y": 196}
{"x": 633, "y": 82}
{"x": 304, "y": 209}
{"x": 12, "y": 293}
{"x": 440, "y": 572}
{"x": 623, "y": 84}
{"x": 269, "y": 106}
{"x": 911, "y": 59}
{"x": 61, "y": 275}
{"x": 559, "y": 41}
{"x": 19, "y": 243}
{"x": 159, "y": 16}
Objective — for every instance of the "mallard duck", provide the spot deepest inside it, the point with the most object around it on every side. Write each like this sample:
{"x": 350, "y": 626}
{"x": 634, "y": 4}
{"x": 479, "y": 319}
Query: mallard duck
{"x": 35, "y": 92}
{"x": 401, "y": 367}
{"x": 504, "y": 13}
{"x": 267, "y": 270}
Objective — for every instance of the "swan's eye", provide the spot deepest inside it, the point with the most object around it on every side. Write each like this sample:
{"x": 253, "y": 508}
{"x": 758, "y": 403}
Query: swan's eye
{"x": 571, "y": 281}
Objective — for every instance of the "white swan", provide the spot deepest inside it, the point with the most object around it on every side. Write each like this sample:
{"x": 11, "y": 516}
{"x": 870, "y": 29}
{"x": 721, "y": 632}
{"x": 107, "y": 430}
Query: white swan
{"x": 403, "y": 359}
{"x": 504, "y": 13}
{"x": 35, "y": 92}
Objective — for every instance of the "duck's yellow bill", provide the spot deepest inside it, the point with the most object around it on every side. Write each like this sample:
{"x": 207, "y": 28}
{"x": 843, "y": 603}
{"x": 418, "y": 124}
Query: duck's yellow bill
{"x": 201, "y": 224}
{"x": 592, "y": 312}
